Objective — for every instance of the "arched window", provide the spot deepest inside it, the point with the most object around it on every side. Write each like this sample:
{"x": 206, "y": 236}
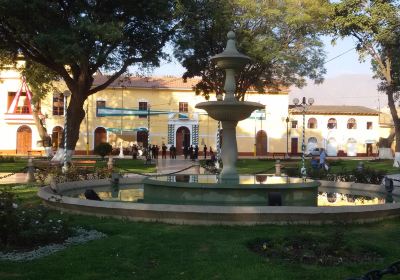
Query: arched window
{"x": 332, "y": 124}
{"x": 312, "y": 123}
{"x": 56, "y": 136}
{"x": 351, "y": 124}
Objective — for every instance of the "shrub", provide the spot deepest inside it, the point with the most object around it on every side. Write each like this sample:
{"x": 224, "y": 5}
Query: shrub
{"x": 28, "y": 227}
{"x": 74, "y": 173}
{"x": 103, "y": 149}
{"x": 5, "y": 159}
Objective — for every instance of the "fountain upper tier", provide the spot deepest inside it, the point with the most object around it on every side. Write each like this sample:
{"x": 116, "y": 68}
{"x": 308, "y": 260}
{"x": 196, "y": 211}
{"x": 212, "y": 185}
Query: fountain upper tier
{"x": 229, "y": 110}
{"x": 230, "y": 58}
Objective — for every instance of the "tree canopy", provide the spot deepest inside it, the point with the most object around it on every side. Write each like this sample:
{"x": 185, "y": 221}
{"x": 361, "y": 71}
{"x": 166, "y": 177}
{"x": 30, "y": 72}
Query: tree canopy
{"x": 375, "y": 26}
{"x": 73, "y": 39}
{"x": 282, "y": 38}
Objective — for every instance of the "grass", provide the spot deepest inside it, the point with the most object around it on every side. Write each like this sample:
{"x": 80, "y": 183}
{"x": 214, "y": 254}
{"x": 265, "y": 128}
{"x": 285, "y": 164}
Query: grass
{"x": 124, "y": 165}
{"x": 136, "y": 250}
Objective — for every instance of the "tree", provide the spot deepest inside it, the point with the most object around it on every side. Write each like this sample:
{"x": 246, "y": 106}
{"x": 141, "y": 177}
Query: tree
{"x": 375, "y": 25}
{"x": 280, "y": 36}
{"x": 75, "y": 39}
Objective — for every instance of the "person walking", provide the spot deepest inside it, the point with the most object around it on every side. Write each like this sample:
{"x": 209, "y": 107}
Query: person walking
{"x": 205, "y": 151}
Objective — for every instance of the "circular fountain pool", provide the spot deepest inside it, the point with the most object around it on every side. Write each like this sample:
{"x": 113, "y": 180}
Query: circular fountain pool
{"x": 331, "y": 202}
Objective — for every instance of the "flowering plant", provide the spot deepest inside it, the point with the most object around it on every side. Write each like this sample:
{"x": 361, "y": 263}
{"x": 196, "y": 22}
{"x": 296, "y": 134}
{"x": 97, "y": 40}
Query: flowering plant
{"x": 22, "y": 227}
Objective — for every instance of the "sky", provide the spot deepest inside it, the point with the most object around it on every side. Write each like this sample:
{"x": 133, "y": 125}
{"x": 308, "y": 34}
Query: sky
{"x": 347, "y": 82}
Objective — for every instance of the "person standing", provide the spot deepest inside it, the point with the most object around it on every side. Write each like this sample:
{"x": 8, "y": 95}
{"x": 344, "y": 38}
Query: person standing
{"x": 191, "y": 152}
{"x": 163, "y": 151}
{"x": 322, "y": 158}
{"x": 173, "y": 150}
{"x": 205, "y": 151}
{"x": 196, "y": 152}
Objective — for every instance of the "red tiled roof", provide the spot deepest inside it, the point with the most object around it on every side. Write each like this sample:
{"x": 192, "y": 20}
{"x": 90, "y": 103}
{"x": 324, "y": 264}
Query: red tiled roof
{"x": 334, "y": 110}
{"x": 149, "y": 82}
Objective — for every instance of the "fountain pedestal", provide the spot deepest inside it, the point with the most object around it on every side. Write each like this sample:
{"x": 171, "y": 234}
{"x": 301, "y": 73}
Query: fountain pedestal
{"x": 229, "y": 111}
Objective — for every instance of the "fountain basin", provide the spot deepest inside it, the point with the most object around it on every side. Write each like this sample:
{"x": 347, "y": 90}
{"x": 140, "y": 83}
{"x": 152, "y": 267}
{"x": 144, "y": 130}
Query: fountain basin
{"x": 246, "y": 190}
{"x": 232, "y": 215}
{"x": 229, "y": 110}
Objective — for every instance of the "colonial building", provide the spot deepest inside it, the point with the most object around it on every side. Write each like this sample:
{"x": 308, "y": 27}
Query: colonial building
{"x": 341, "y": 130}
{"x": 136, "y": 110}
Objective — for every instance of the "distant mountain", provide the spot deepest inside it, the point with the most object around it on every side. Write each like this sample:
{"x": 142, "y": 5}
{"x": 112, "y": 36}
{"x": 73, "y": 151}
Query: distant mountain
{"x": 350, "y": 89}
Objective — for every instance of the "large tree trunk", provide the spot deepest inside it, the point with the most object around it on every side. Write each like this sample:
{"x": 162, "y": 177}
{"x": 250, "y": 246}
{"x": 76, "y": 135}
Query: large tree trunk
{"x": 396, "y": 123}
{"x": 44, "y": 136}
{"x": 75, "y": 115}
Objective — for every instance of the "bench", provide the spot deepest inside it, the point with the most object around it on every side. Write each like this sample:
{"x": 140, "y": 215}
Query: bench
{"x": 37, "y": 152}
{"x": 84, "y": 163}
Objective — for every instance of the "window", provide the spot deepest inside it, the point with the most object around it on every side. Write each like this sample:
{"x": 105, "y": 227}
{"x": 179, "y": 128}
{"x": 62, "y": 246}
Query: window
{"x": 142, "y": 107}
{"x": 294, "y": 124}
{"x": 22, "y": 107}
{"x": 312, "y": 123}
{"x": 99, "y": 104}
{"x": 332, "y": 124}
{"x": 351, "y": 124}
{"x": 58, "y": 105}
{"x": 369, "y": 125}
{"x": 183, "y": 107}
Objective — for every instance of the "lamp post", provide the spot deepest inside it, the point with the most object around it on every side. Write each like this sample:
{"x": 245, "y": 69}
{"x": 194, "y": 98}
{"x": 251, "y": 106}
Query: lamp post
{"x": 66, "y": 94}
{"x": 287, "y": 136}
{"x": 304, "y": 105}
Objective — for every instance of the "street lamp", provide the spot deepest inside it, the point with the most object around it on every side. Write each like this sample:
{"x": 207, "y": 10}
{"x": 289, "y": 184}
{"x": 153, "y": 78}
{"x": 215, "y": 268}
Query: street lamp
{"x": 304, "y": 105}
{"x": 66, "y": 94}
{"x": 287, "y": 136}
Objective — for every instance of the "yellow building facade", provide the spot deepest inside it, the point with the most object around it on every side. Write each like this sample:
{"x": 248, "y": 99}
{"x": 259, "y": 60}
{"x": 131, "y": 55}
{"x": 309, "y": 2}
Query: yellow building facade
{"x": 119, "y": 115}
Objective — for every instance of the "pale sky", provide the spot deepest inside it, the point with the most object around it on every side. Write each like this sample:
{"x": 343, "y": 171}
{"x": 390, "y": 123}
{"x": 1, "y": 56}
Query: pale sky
{"x": 347, "y": 82}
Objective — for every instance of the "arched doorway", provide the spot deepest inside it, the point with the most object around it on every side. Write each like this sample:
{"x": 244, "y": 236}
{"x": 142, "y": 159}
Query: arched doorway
{"x": 142, "y": 138}
{"x": 331, "y": 147}
{"x": 351, "y": 147}
{"x": 312, "y": 143}
{"x": 261, "y": 143}
{"x": 182, "y": 139}
{"x": 100, "y": 136}
{"x": 56, "y": 136}
{"x": 24, "y": 139}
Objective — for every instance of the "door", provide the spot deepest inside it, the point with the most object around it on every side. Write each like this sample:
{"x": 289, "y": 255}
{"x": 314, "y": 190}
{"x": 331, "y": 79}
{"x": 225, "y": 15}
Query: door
{"x": 100, "y": 136}
{"x": 331, "y": 147}
{"x": 56, "y": 136}
{"x": 294, "y": 146}
{"x": 369, "y": 149}
{"x": 142, "y": 138}
{"x": 182, "y": 139}
{"x": 24, "y": 139}
{"x": 351, "y": 147}
{"x": 261, "y": 143}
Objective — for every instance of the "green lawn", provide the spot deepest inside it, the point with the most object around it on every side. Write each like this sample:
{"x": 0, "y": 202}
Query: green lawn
{"x": 124, "y": 165}
{"x": 136, "y": 250}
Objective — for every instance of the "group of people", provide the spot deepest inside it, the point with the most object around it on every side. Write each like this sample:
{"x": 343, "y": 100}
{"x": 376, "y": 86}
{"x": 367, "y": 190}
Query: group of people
{"x": 193, "y": 152}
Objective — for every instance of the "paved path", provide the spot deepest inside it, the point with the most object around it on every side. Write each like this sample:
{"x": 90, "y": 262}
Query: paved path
{"x": 168, "y": 165}
{"x": 17, "y": 178}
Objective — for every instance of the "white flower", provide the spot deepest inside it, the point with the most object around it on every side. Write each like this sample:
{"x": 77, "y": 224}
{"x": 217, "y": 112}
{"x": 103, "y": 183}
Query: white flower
{"x": 15, "y": 205}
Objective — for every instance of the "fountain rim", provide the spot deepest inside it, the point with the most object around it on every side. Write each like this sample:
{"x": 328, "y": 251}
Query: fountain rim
{"x": 218, "y": 215}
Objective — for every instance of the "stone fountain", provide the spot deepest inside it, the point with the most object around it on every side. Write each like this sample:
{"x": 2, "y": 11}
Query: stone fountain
{"x": 229, "y": 110}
